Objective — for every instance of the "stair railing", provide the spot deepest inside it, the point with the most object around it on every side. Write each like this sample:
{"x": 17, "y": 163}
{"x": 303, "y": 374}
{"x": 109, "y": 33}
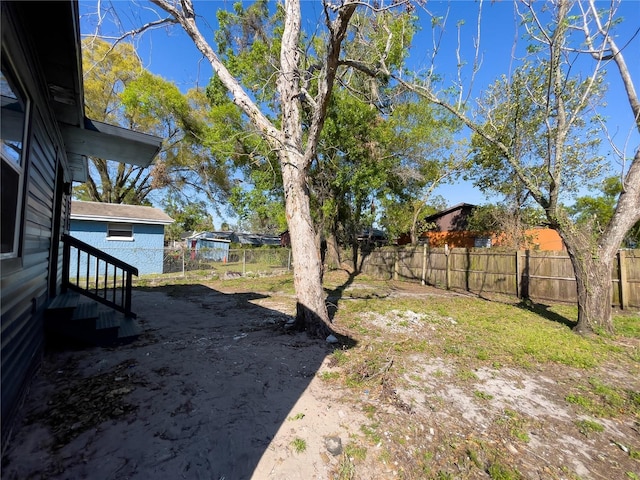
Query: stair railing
{"x": 97, "y": 275}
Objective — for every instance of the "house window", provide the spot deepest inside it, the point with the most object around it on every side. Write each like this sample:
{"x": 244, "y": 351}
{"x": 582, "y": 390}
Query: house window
{"x": 13, "y": 126}
{"x": 119, "y": 231}
{"x": 482, "y": 242}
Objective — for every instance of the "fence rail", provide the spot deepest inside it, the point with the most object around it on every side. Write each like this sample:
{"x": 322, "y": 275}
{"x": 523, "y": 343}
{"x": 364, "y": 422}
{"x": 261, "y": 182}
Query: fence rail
{"x": 538, "y": 275}
{"x": 245, "y": 262}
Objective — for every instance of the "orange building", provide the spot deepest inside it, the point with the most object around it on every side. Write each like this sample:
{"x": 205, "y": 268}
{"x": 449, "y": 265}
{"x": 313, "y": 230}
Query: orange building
{"x": 451, "y": 229}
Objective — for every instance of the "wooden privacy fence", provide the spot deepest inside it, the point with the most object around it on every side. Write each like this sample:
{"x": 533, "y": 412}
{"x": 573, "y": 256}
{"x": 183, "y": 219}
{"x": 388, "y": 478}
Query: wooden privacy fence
{"x": 538, "y": 275}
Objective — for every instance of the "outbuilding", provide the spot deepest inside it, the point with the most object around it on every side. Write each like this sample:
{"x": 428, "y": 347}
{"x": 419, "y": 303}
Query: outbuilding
{"x": 131, "y": 233}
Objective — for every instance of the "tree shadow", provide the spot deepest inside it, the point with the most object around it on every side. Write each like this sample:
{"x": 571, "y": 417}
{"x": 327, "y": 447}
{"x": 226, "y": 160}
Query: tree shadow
{"x": 545, "y": 312}
{"x": 337, "y": 295}
{"x": 207, "y": 387}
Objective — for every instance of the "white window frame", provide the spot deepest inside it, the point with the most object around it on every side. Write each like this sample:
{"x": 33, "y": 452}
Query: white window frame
{"x": 17, "y": 165}
{"x": 120, "y": 227}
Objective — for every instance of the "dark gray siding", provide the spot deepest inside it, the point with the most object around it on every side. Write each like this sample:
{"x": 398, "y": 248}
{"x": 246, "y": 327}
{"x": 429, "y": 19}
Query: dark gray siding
{"x": 25, "y": 282}
{"x": 25, "y": 290}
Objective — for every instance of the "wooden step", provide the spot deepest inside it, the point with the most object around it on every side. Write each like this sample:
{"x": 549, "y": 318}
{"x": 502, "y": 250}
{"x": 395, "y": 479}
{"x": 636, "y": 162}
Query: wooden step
{"x": 129, "y": 329}
{"x": 64, "y": 301}
{"x": 62, "y": 307}
{"x": 72, "y": 317}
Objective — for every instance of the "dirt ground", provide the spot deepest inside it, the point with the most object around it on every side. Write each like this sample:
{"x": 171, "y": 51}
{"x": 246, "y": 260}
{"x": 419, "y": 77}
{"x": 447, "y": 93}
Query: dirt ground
{"x": 217, "y": 388}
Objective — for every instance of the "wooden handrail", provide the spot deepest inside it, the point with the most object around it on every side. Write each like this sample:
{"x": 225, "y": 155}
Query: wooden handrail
{"x": 90, "y": 285}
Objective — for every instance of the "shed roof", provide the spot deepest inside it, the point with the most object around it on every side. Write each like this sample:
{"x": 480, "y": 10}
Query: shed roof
{"x": 117, "y": 212}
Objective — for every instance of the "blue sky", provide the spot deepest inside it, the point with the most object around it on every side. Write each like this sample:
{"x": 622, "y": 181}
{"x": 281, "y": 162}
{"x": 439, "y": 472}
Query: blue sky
{"x": 170, "y": 53}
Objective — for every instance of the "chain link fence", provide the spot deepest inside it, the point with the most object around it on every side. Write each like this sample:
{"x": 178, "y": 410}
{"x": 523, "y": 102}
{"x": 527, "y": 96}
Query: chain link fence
{"x": 227, "y": 262}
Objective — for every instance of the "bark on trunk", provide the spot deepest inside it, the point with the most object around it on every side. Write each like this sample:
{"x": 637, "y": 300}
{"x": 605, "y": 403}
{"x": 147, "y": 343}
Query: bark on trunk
{"x": 593, "y": 285}
{"x": 311, "y": 309}
{"x": 334, "y": 259}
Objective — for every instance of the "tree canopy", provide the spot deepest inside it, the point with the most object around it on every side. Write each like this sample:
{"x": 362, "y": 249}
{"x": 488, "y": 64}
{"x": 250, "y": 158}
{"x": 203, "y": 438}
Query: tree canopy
{"x": 120, "y": 91}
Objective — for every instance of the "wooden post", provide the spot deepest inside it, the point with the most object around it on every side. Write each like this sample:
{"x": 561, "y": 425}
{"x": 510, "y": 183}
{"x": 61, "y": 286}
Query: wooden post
{"x": 395, "y": 263}
{"x": 447, "y": 266}
{"x": 424, "y": 264}
{"x": 518, "y": 267}
{"x": 622, "y": 278}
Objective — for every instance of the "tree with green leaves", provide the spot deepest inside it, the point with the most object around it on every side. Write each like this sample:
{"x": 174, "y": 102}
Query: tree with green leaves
{"x": 188, "y": 217}
{"x": 561, "y": 103}
{"x": 290, "y": 123}
{"x": 119, "y": 91}
{"x": 596, "y": 211}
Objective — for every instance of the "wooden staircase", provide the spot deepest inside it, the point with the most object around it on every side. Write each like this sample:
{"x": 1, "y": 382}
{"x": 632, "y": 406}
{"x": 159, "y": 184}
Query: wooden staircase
{"x": 74, "y": 318}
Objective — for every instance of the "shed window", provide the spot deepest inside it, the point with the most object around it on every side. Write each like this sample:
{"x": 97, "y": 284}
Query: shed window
{"x": 13, "y": 123}
{"x": 120, "y": 231}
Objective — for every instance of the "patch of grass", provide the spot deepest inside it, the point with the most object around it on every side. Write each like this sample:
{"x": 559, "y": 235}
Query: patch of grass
{"x": 297, "y": 416}
{"x": 369, "y": 410}
{"x": 516, "y": 424}
{"x": 586, "y": 427}
{"x": 482, "y": 355}
{"x": 609, "y": 396}
{"x": 340, "y": 357}
{"x": 346, "y": 469}
{"x": 371, "y": 432}
{"x": 580, "y": 400}
{"x": 474, "y": 457}
{"x": 482, "y": 395}
{"x": 497, "y": 471}
{"x": 627, "y": 325}
{"x": 602, "y": 400}
{"x": 444, "y": 475}
{"x": 466, "y": 374}
{"x": 299, "y": 444}
{"x": 329, "y": 376}
{"x": 355, "y": 452}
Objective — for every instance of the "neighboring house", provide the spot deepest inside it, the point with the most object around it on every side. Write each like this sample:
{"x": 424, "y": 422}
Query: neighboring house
{"x": 254, "y": 239}
{"x": 45, "y": 140}
{"x": 131, "y": 233}
{"x": 372, "y": 237}
{"x": 451, "y": 228}
{"x": 208, "y": 246}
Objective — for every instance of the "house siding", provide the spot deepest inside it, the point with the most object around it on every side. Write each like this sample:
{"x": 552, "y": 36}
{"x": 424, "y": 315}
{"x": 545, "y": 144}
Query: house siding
{"x": 24, "y": 281}
{"x": 145, "y": 251}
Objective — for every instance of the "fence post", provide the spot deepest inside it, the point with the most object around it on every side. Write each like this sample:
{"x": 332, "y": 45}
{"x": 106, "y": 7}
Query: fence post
{"x": 424, "y": 264}
{"x": 447, "y": 266}
{"x": 184, "y": 251}
{"x": 244, "y": 262}
{"x": 622, "y": 278}
{"x": 518, "y": 266}
{"x": 395, "y": 263}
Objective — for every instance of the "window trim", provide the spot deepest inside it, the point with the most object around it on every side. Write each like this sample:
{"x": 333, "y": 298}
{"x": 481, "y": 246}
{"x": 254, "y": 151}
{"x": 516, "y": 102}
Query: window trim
{"x": 115, "y": 226}
{"x": 18, "y": 88}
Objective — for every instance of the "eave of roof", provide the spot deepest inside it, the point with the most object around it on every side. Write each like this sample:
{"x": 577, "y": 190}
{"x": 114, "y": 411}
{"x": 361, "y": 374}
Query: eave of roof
{"x": 458, "y": 206}
{"x": 118, "y": 213}
{"x": 58, "y": 44}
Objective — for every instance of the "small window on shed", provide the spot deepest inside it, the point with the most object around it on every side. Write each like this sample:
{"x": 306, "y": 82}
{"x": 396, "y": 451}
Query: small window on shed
{"x": 120, "y": 231}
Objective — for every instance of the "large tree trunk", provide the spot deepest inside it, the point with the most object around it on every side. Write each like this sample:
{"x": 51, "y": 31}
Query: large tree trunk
{"x": 334, "y": 258}
{"x": 593, "y": 285}
{"x": 311, "y": 309}
{"x": 287, "y": 140}
{"x": 593, "y": 261}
